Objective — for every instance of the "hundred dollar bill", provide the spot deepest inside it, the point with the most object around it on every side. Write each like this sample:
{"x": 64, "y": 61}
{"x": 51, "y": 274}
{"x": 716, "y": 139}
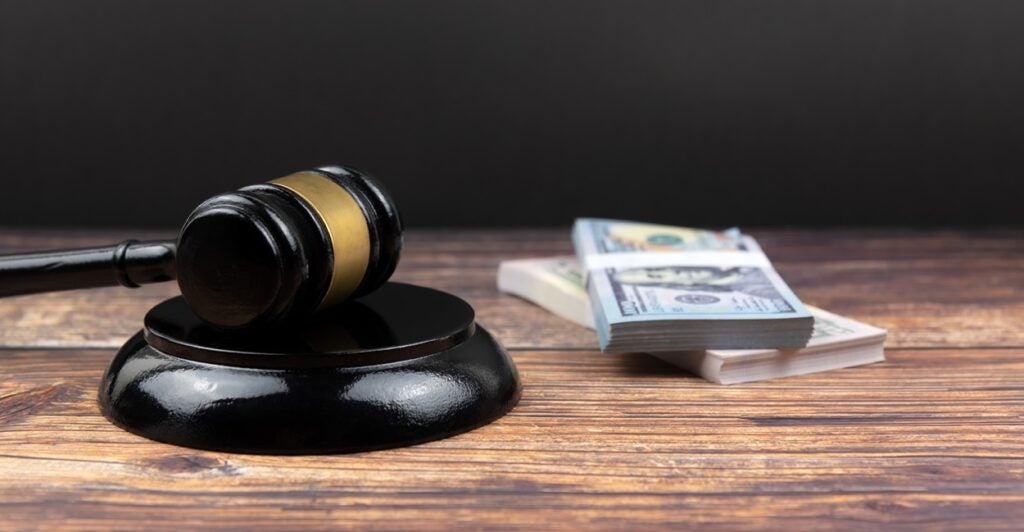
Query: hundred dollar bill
{"x": 557, "y": 284}
{"x": 657, "y": 288}
{"x": 600, "y": 236}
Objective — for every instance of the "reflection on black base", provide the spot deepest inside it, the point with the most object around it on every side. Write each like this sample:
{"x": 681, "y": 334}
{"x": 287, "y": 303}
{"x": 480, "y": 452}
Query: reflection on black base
{"x": 313, "y": 406}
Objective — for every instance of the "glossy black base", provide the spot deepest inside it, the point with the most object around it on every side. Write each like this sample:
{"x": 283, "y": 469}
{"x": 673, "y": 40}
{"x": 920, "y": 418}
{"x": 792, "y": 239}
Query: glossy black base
{"x": 396, "y": 387}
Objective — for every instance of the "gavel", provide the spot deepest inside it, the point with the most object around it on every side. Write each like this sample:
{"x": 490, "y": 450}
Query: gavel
{"x": 264, "y": 255}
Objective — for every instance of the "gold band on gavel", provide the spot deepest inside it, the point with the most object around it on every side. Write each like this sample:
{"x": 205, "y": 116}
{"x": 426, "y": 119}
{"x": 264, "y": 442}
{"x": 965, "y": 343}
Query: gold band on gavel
{"x": 346, "y": 228}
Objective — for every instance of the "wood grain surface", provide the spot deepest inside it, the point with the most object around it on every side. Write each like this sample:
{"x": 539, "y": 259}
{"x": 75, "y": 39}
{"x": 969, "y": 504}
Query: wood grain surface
{"x": 932, "y": 438}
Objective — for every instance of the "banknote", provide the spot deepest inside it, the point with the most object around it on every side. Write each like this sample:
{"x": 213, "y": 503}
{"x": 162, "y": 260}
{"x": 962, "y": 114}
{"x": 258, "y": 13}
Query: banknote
{"x": 685, "y": 292}
{"x": 655, "y": 287}
{"x": 557, "y": 285}
{"x": 598, "y": 236}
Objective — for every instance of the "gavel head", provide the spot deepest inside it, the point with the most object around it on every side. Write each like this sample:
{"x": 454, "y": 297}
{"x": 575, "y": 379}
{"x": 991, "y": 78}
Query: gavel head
{"x": 274, "y": 253}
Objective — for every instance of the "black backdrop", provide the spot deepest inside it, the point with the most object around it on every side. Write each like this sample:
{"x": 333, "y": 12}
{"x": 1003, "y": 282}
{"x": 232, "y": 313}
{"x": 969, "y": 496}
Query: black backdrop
{"x": 518, "y": 112}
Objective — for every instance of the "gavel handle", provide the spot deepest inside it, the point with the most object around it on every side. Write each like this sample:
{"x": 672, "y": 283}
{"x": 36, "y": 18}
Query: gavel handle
{"x": 130, "y": 263}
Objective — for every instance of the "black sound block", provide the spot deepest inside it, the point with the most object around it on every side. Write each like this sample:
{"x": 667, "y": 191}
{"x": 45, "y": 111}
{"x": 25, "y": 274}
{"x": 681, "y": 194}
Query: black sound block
{"x": 403, "y": 365}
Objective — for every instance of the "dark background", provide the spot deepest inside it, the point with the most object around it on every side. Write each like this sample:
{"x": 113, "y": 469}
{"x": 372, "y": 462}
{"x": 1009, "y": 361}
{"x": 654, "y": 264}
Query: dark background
{"x": 512, "y": 112}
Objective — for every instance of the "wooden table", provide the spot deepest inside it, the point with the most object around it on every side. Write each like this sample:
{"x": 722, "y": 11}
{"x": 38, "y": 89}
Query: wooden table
{"x": 934, "y": 436}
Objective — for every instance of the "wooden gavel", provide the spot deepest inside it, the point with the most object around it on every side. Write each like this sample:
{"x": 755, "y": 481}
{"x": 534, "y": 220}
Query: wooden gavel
{"x": 266, "y": 254}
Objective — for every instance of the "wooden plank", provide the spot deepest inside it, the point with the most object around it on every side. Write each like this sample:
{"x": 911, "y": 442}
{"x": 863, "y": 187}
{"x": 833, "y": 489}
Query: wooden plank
{"x": 23, "y": 240}
{"x": 931, "y": 436}
{"x": 941, "y": 289}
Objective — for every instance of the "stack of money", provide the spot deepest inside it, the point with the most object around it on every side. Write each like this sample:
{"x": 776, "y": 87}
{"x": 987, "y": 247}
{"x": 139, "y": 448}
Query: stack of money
{"x": 661, "y": 288}
{"x": 557, "y": 284}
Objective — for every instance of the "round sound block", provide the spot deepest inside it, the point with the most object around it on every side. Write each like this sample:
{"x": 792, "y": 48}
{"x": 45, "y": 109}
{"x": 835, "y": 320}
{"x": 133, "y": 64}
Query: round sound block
{"x": 403, "y": 365}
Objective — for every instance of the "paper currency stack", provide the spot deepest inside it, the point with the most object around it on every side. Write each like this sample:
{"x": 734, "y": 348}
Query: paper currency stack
{"x": 660, "y": 288}
{"x": 557, "y": 284}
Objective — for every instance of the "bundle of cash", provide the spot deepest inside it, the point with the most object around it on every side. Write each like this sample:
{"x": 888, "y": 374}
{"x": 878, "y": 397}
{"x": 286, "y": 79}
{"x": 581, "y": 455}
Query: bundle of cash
{"x": 663, "y": 288}
{"x": 557, "y": 284}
